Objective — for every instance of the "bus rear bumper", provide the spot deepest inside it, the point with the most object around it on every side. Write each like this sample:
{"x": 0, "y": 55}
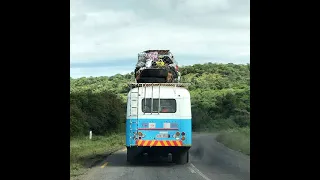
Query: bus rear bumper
{"x": 157, "y": 150}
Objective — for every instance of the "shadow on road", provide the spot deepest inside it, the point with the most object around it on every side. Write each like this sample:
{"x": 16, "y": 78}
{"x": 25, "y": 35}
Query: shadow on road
{"x": 206, "y": 154}
{"x": 120, "y": 159}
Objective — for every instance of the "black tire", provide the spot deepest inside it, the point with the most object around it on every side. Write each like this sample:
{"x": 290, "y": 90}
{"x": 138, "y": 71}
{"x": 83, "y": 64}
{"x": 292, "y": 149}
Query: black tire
{"x": 181, "y": 157}
{"x": 134, "y": 155}
{"x": 130, "y": 156}
{"x": 151, "y": 80}
{"x": 159, "y": 73}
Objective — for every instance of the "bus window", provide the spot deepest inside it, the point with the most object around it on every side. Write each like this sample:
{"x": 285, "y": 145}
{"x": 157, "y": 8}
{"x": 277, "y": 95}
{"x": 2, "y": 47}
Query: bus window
{"x": 166, "y": 105}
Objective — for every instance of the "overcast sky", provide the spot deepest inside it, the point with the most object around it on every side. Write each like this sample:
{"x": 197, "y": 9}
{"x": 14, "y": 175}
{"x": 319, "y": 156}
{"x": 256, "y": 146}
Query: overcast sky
{"x": 107, "y": 35}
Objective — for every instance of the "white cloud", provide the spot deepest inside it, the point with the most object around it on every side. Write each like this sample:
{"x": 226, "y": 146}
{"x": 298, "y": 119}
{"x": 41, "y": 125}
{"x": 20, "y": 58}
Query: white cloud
{"x": 105, "y": 30}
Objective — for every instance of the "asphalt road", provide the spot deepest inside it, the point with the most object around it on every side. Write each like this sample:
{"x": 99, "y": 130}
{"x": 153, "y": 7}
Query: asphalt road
{"x": 209, "y": 160}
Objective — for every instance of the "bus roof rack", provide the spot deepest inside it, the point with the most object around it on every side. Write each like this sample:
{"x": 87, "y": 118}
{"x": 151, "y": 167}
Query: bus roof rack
{"x": 133, "y": 84}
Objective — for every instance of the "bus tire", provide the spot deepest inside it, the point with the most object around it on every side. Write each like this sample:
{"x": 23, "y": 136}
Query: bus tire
{"x": 130, "y": 156}
{"x": 151, "y": 80}
{"x": 159, "y": 73}
{"x": 181, "y": 157}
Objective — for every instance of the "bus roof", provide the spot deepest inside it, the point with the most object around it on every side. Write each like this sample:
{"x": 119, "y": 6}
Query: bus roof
{"x": 133, "y": 85}
{"x": 165, "y": 92}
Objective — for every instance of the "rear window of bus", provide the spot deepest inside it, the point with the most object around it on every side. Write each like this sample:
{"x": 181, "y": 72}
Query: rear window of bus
{"x": 166, "y": 105}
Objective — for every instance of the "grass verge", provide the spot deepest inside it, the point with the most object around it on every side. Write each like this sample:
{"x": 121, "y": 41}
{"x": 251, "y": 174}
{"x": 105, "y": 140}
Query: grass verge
{"x": 236, "y": 139}
{"x": 85, "y": 153}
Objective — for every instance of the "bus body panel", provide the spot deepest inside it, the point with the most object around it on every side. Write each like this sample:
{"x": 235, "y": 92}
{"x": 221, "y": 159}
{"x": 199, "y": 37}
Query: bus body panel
{"x": 161, "y": 130}
{"x": 148, "y": 129}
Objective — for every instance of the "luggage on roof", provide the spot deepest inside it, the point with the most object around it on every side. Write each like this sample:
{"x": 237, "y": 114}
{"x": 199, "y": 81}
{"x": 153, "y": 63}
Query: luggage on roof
{"x": 156, "y": 66}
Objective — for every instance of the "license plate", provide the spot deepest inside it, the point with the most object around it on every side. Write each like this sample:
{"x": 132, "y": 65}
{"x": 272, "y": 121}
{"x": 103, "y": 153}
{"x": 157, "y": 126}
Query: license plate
{"x": 162, "y": 136}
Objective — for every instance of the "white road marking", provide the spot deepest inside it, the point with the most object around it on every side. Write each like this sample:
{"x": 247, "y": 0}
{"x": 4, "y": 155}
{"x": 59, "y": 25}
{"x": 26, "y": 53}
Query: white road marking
{"x": 198, "y": 172}
{"x": 190, "y": 168}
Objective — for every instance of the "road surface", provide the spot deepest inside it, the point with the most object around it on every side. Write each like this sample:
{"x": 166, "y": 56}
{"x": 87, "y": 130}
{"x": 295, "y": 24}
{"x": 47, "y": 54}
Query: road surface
{"x": 209, "y": 160}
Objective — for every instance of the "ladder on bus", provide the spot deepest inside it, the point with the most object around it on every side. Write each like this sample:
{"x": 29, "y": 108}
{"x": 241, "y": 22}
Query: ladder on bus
{"x": 134, "y": 114}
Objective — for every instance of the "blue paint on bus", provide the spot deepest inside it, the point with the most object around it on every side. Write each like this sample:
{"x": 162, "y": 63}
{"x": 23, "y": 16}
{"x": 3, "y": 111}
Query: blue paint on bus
{"x": 153, "y": 128}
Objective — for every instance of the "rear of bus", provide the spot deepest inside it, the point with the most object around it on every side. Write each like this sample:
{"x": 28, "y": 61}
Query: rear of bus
{"x": 159, "y": 122}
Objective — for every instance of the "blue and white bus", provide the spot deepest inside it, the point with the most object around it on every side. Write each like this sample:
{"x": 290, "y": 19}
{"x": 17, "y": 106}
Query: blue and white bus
{"x": 159, "y": 121}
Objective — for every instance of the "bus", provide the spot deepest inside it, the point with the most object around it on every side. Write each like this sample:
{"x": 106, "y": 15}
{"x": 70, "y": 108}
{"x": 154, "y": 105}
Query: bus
{"x": 158, "y": 121}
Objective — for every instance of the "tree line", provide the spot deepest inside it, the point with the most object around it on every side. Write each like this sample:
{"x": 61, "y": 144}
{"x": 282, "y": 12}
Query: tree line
{"x": 220, "y": 97}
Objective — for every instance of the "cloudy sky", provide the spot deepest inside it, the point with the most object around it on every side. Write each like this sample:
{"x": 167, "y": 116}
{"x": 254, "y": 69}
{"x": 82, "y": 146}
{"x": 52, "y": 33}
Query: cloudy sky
{"x": 107, "y": 35}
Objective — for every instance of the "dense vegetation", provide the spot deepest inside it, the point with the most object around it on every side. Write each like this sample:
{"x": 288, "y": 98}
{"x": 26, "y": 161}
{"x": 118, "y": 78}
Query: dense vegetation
{"x": 85, "y": 153}
{"x": 237, "y": 139}
{"x": 220, "y": 99}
